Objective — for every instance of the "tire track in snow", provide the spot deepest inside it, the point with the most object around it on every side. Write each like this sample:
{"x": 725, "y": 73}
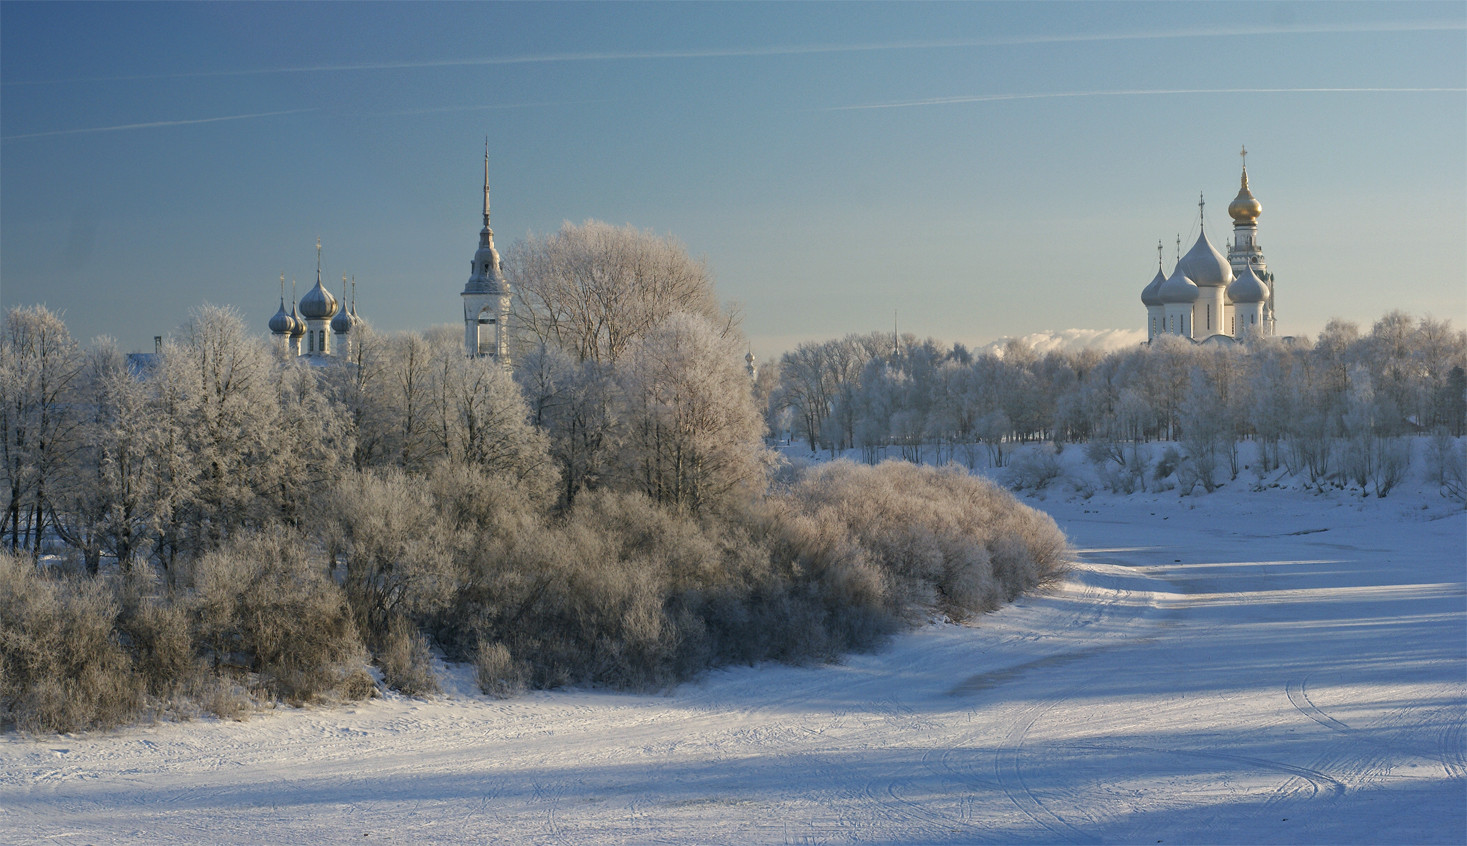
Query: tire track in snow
{"x": 1009, "y": 773}
{"x": 1350, "y": 763}
{"x": 1454, "y": 744}
{"x": 1319, "y": 782}
{"x": 1008, "y": 768}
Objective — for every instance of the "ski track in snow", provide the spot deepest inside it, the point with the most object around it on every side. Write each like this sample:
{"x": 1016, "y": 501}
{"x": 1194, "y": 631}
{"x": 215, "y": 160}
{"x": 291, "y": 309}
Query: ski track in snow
{"x": 1244, "y": 667}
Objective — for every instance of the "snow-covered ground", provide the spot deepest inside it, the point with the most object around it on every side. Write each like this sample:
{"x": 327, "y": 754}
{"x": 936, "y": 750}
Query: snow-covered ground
{"x": 1273, "y": 666}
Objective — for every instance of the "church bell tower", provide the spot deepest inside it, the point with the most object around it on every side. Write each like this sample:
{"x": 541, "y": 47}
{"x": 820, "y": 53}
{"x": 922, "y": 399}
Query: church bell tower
{"x": 486, "y": 295}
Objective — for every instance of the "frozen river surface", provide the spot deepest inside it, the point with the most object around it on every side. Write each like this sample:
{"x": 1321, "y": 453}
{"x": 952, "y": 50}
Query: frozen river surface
{"x": 1243, "y": 667}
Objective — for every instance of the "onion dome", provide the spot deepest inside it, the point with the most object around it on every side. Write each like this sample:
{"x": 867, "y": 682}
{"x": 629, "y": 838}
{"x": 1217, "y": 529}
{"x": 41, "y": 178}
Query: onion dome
{"x": 1248, "y": 288}
{"x": 1245, "y": 208}
{"x": 342, "y": 322}
{"x": 1151, "y": 294}
{"x": 299, "y": 329}
{"x": 318, "y": 304}
{"x": 1204, "y": 265}
{"x": 282, "y": 322}
{"x": 1179, "y": 289}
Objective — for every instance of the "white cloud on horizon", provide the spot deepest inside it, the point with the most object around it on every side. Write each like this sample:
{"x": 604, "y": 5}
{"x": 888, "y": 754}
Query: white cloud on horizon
{"x": 1072, "y": 340}
{"x": 771, "y": 347}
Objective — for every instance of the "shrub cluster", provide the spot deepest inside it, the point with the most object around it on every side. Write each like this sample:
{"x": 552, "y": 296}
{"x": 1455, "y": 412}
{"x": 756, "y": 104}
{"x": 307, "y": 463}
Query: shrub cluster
{"x": 624, "y": 593}
{"x": 262, "y": 621}
{"x": 617, "y": 590}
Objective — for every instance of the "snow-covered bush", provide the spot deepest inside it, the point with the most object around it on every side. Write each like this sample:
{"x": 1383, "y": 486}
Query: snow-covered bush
{"x": 406, "y": 662}
{"x": 497, "y": 673}
{"x": 1034, "y": 469}
{"x": 943, "y": 540}
{"x": 61, "y": 667}
{"x": 159, "y": 633}
{"x": 267, "y": 607}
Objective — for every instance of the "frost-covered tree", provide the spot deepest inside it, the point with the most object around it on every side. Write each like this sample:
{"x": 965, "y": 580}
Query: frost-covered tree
{"x": 593, "y": 289}
{"x": 571, "y": 402}
{"x": 39, "y": 365}
{"x": 1205, "y": 434}
{"x": 408, "y": 363}
{"x": 105, "y": 502}
{"x": 481, "y": 419}
{"x": 358, "y": 388}
{"x": 693, "y": 434}
{"x": 174, "y": 473}
{"x": 233, "y": 423}
{"x": 311, "y": 444}
{"x": 591, "y": 293}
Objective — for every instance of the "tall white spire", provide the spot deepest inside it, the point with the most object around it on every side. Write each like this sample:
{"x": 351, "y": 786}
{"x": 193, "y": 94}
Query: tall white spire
{"x": 486, "y": 295}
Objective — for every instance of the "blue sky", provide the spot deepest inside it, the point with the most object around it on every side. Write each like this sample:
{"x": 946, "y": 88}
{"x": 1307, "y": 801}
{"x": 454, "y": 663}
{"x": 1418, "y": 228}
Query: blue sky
{"x": 983, "y": 169}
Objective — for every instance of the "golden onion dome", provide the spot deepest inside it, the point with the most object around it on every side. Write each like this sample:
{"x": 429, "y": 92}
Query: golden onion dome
{"x": 1245, "y": 208}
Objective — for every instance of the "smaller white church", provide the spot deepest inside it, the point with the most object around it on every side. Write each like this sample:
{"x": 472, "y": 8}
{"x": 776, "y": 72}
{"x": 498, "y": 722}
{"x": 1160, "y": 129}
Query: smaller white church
{"x": 1208, "y": 296}
{"x": 319, "y": 325}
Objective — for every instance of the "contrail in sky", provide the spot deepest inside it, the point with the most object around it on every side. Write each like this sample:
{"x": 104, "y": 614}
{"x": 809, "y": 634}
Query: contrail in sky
{"x": 790, "y": 50}
{"x": 994, "y": 98}
{"x": 452, "y": 109}
{"x": 152, "y": 125}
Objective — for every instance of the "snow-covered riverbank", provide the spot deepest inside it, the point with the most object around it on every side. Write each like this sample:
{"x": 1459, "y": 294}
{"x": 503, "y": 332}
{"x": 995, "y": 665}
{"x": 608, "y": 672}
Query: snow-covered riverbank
{"x": 1242, "y": 667}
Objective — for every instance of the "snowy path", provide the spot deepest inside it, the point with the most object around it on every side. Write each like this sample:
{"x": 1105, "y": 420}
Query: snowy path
{"x": 1306, "y": 682}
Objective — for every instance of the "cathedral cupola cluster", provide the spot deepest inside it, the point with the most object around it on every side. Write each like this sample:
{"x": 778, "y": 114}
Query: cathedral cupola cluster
{"x": 1209, "y": 295}
{"x": 309, "y": 326}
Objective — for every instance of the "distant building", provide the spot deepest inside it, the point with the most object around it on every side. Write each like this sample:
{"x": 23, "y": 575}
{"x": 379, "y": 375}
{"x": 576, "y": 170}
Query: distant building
{"x": 319, "y": 325}
{"x": 1208, "y": 296}
{"x": 486, "y": 295}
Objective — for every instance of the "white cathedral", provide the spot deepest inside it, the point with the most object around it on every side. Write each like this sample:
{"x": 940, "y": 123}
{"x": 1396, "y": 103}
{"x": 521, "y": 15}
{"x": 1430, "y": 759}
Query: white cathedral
{"x": 320, "y": 326}
{"x": 1209, "y": 297}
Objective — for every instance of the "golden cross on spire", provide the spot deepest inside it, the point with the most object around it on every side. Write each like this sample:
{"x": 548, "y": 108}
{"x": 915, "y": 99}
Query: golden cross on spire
{"x": 1244, "y": 154}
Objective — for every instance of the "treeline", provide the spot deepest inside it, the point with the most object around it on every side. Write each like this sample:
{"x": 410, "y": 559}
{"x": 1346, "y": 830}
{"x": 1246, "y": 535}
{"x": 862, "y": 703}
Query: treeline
{"x": 1332, "y": 411}
{"x": 220, "y": 525}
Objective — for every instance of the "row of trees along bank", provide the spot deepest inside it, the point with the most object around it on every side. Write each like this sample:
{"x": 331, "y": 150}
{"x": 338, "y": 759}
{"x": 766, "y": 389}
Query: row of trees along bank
{"x": 1329, "y": 409}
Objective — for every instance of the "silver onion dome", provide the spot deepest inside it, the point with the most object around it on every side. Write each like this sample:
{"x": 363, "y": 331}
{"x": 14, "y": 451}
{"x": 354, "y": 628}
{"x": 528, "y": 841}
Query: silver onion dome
{"x": 343, "y": 321}
{"x": 1205, "y": 266}
{"x": 1151, "y": 294}
{"x": 282, "y": 322}
{"x": 1179, "y": 289}
{"x": 1248, "y": 288}
{"x": 318, "y": 304}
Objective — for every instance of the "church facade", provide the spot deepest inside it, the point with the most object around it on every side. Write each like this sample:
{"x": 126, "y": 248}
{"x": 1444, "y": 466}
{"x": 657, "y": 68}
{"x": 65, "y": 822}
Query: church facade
{"x": 1212, "y": 296}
